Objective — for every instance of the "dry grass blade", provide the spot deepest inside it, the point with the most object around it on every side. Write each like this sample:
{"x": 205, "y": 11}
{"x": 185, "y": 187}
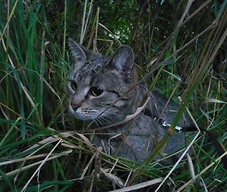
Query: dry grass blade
{"x": 214, "y": 101}
{"x": 116, "y": 180}
{"x": 139, "y": 186}
{"x": 33, "y": 157}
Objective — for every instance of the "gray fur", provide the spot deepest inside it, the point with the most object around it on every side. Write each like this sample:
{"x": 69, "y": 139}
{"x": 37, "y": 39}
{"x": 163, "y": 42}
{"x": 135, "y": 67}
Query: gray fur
{"x": 113, "y": 78}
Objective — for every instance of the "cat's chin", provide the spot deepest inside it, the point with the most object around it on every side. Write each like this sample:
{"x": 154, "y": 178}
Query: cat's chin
{"x": 83, "y": 118}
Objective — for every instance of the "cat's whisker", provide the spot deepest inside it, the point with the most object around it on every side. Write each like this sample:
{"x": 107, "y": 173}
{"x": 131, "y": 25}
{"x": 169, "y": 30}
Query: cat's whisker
{"x": 105, "y": 120}
{"x": 100, "y": 121}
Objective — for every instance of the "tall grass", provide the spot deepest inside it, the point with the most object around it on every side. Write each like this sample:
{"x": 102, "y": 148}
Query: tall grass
{"x": 41, "y": 146}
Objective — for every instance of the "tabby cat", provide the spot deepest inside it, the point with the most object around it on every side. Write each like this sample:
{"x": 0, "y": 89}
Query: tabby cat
{"x": 102, "y": 90}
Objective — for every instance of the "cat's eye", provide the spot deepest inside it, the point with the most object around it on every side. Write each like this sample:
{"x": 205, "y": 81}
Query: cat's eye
{"x": 96, "y": 91}
{"x": 73, "y": 85}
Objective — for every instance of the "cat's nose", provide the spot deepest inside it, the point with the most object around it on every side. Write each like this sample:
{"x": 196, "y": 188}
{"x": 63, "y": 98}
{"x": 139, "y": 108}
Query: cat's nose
{"x": 75, "y": 106}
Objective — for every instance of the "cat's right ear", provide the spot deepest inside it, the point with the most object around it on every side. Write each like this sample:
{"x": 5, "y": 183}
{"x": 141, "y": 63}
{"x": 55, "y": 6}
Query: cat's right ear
{"x": 79, "y": 52}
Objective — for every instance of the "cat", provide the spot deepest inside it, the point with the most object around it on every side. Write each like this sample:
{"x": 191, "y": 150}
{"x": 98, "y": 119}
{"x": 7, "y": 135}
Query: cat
{"x": 103, "y": 90}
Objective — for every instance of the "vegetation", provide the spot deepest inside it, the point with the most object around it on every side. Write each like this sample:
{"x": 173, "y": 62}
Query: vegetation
{"x": 180, "y": 49}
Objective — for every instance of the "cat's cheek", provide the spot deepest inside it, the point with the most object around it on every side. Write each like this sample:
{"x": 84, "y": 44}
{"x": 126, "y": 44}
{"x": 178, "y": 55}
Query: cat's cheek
{"x": 120, "y": 104}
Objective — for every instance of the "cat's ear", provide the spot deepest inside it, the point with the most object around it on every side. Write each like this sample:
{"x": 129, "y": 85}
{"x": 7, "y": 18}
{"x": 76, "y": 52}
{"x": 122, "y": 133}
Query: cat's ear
{"x": 79, "y": 52}
{"x": 123, "y": 60}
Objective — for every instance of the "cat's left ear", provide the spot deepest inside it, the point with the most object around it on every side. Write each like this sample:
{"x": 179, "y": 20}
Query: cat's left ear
{"x": 123, "y": 60}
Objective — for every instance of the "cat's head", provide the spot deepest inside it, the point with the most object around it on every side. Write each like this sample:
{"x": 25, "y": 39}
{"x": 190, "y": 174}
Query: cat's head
{"x": 99, "y": 87}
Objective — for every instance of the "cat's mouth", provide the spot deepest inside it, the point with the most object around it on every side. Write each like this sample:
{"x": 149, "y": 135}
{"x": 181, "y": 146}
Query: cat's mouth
{"x": 84, "y": 115}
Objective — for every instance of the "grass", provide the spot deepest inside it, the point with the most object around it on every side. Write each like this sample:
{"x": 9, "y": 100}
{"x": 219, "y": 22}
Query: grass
{"x": 41, "y": 145}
